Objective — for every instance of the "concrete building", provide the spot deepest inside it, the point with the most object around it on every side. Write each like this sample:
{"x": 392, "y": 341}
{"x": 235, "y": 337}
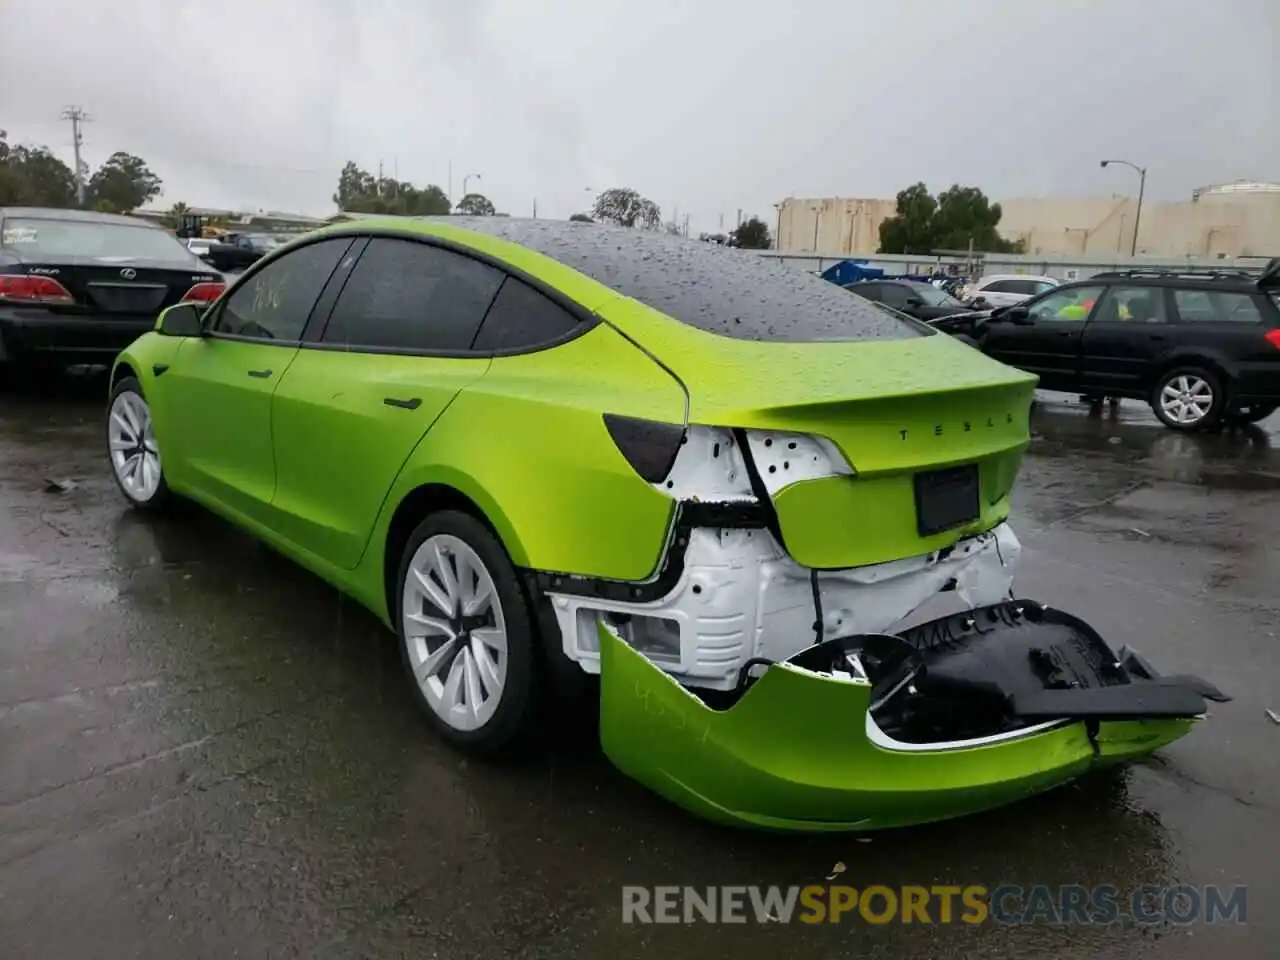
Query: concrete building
{"x": 1219, "y": 222}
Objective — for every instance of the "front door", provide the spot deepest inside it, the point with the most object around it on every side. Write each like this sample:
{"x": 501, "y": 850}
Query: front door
{"x": 1124, "y": 338}
{"x": 354, "y": 405}
{"x": 222, "y": 383}
{"x": 1047, "y": 343}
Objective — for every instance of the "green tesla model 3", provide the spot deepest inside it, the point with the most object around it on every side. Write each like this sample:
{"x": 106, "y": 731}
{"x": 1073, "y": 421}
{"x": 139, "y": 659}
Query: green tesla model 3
{"x": 545, "y": 451}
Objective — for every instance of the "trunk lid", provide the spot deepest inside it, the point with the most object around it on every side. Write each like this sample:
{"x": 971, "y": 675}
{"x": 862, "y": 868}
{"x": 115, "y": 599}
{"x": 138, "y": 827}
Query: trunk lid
{"x": 933, "y": 429}
{"x": 120, "y": 287}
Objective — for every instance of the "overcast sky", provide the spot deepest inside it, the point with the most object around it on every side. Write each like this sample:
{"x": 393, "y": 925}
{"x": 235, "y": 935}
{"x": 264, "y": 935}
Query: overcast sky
{"x": 705, "y": 106}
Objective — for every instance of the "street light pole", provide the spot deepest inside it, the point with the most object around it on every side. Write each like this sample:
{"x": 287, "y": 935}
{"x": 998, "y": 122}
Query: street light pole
{"x": 1142, "y": 189}
{"x": 465, "y": 179}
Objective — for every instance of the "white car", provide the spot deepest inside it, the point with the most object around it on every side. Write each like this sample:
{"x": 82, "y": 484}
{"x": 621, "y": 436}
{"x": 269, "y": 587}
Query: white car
{"x": 199, "y": 246}
{"x": 1002, "y": 290}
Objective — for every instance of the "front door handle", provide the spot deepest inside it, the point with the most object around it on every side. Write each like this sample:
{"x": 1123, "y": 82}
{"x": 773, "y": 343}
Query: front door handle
{"x": 260, "y": 374}
{"x": 413, "y": 403}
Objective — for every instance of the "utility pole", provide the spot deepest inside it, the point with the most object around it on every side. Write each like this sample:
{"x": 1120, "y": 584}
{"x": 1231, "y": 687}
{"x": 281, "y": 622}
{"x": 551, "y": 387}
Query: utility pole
{"x": 77, "y": 117}
{"x": 1142, "y": 188}
{"x": 535, "y": 208}
{"x": 450, "y": 181}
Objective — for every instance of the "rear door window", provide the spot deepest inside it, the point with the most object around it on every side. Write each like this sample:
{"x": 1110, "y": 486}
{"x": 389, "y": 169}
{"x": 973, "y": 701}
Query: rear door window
{"x": 521, "y": 318}
{"x": 1002, "y": 286}
{"x": 1215, "y": 306}
{"x": 274, "y": 303}
{"x": 408, "y": 296}
{"x": 1133, "y": 305}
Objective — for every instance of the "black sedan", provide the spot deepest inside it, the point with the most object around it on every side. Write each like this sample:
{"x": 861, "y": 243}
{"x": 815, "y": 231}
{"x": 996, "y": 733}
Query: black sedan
{"x": 78, "y": 287}
{"x": 920, "y": 300}
{"x": 239, "y": 251}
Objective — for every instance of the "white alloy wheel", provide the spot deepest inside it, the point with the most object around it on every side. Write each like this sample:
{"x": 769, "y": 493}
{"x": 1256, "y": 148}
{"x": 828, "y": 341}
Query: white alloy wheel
{"x": 135, "y": 456}
{"x": 455, "y": 633}
{"x": 1186, "y": 399}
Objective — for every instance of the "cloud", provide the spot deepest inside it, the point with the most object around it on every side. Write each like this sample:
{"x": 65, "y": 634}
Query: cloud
{"x": 709, "y": 106}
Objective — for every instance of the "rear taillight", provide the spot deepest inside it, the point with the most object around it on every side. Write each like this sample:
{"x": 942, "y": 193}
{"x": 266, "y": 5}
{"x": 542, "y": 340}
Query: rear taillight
{"x": 206, "y": 292}
{"x": 1273, "y": 338}
{"x": 33, "y": 289}
{"x": 650, "y": 447}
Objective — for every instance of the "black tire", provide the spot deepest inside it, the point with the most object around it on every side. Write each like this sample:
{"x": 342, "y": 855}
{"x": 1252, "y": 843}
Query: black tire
{"x": 1255, "y": 412}
{"x": 513, "y": 720}
{"x": 161, "y": 498}
{"x": 1217, "y": 387}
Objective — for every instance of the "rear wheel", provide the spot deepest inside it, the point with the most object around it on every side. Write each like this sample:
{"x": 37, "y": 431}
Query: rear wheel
{"x": 467, "y": 634}
{"x": 132, "y": 448}
{"x": 1189, "y": 398}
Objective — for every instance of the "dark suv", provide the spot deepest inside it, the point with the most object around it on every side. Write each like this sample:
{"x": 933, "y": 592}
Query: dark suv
{"x": 1199, "y": 347}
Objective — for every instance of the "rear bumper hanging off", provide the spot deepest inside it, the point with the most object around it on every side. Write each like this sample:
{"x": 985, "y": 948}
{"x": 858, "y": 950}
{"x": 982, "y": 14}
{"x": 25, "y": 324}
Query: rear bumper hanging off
{"x": 852, "y": 734}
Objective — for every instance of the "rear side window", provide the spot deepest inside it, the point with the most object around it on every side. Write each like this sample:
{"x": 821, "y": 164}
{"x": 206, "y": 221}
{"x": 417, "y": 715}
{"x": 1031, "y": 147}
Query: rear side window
{"x": 521, "y": 318}
{"x": 725, "y": 291}
{"x": 1133, "y": 304}
{"x": 1002, "y": 286}
{"x": 405, "y": 295}
{"x": 275, "y": 302}
{"x": 1212, "y": 306}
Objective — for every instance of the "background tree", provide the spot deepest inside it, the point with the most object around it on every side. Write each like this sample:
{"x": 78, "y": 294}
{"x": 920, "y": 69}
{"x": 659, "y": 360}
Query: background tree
{"x": 581, "y": 218}
{"x": 910, "y": 229}
{"x": 475, "y": 205}
{"x": 361, "y": 192}
{"x": 751, "y": 234}
{"x": 122, "y": 184}
{"x": 957, "y": 215}
{"x": 626, "y": 208}
{"x": 32, "y": 176}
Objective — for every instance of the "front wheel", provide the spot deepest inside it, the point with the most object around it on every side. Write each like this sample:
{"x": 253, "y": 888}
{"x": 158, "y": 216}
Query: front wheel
{"x": 467, "y": 634}
{"x": 1189, "y": 398}
{"x": 132, "y": 448}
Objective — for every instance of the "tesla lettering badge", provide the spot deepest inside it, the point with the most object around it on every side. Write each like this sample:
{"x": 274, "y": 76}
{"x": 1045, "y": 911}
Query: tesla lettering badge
{"x": 128, "y": 273}
{"x": 966, "y": 426}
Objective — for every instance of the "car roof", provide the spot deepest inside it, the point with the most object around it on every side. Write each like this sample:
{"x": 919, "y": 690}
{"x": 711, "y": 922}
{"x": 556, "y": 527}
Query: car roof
{"x": 1018, "y": 276}
{"x": 76, "y": 216}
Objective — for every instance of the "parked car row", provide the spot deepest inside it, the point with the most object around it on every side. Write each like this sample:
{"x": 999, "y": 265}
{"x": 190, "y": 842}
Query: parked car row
{"x": 234, "y": 251}
{"x": 1200, "y": 348}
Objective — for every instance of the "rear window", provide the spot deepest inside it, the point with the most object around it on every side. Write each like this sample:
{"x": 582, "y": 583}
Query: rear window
{"x": 1206, "y": 306}
{"x": 35, "y": 238}
{"x": 724, "y": 291}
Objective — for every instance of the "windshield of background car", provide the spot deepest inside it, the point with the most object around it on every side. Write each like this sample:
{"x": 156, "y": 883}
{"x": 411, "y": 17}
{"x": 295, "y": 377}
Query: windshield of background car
{"x": 35, "y": 238}
{"x": 733, "y": 293}
{"x": 934, "y": 297}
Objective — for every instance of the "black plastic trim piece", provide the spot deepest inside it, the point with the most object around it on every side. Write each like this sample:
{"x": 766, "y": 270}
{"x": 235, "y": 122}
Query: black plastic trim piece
{"x": 159, "y": 368}
{"x": 758, "y": 488}
{"x": 650, "y": 446}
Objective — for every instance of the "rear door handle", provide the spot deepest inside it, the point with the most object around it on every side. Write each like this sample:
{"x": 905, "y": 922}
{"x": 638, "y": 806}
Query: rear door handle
{"x": 413, "y": 403}
{"x": 260, "y": 374}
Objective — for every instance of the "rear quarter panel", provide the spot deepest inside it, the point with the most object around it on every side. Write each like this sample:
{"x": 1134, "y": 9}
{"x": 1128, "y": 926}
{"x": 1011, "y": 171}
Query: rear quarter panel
{"x": 528, "y": 445}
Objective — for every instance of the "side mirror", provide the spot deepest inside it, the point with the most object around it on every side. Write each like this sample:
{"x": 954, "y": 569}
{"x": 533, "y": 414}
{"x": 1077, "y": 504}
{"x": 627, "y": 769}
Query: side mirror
{"x": 1018, "y": 315}
{"x": 914, "y": 302}
{"x": 182, "y": 320}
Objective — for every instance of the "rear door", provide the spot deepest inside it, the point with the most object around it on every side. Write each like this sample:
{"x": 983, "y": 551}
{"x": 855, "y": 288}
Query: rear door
{"x": 396, "y": 350}
{"x": 220, "y": 385}
{"x": 1048, "y": 343}
{"x": 1125, "y": 338}
{"x": 1229, "y": 326}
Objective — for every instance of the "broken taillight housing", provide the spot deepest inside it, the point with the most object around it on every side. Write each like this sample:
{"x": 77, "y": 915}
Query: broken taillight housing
{"x": 33, "y": 289}
{"x": 205, "y": 292}
{"x": 649, "y": 446}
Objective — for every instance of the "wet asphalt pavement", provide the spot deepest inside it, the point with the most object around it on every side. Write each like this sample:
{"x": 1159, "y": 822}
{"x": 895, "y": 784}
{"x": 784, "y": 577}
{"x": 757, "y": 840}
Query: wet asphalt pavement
{"x": 205, "y": 752}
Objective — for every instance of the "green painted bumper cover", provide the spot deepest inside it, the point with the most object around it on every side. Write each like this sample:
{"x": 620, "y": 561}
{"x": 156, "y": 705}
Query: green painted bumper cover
{"x": 793, "y": 754}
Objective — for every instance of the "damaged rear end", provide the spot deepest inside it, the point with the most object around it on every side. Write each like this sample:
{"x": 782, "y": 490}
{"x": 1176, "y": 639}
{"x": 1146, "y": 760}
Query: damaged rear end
{"x": 823, "y": 489}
